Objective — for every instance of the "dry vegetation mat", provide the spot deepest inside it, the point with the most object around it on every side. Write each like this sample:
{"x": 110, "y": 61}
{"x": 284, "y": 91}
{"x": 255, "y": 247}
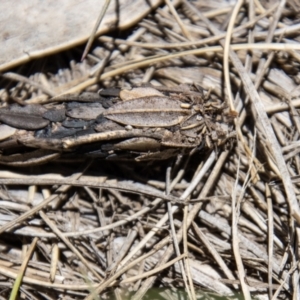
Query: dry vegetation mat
{"x": 164, "y": 165}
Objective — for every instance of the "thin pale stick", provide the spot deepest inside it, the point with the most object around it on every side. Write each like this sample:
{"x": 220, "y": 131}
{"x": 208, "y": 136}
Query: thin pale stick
{"x": 217, "y": 257}
{"x": 125, "y": 187}
{"x": 178, "y": 20}
{"x": 173, "y": 232}
{"x": 20, "y": 276}
{"x": 92, "y": 36}
{"x": 270, "y": 239}
{"x": 154, "y": 271}
{"x": 147, "y": 62}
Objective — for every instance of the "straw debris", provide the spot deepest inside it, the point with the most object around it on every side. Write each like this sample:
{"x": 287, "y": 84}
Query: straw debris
{"x": 210, "y": 221}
